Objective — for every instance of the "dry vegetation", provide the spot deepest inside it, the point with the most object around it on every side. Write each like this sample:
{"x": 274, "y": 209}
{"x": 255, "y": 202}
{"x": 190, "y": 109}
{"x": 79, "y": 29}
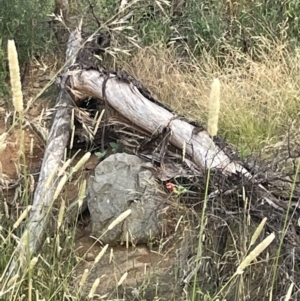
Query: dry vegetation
{"x": 259, "y": 99}
{"x": 259, "y": 110}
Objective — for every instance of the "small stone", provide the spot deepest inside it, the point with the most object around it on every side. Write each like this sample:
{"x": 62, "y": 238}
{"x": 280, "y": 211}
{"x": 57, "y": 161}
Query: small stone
{"x": 89, "y": 256}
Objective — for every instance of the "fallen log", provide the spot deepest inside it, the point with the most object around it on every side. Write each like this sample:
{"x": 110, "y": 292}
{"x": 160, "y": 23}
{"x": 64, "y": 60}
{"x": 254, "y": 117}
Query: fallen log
{"x": 33, "y": 236}
{"x": 127, "y": 98}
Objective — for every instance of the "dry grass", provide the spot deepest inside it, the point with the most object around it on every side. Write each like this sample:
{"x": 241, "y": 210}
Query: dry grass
{"x": 259, "y": 109}
{"x": 258, "y": 99}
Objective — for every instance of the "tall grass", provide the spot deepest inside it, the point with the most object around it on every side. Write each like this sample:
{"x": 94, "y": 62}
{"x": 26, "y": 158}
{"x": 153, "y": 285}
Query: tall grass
{"x": 259, "y": 100}
{"x": 259, "y": 106}
{"x": 212, "y": 128}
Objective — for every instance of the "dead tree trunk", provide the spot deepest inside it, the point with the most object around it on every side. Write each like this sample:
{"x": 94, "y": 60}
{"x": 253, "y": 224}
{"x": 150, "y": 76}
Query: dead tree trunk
{"x": 125, "y": 98}
{"x": 33, "y": 236}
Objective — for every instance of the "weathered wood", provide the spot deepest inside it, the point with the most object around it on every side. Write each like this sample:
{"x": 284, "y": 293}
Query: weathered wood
{"x": 127, "y": 100}
{"x": 132, "y": 105}
{"x": 142, "y": 112}
{"x": 33, "y": 236}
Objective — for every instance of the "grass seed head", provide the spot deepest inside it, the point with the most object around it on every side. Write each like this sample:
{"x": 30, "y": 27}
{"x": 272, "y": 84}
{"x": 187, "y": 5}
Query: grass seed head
{"x": 93, "y": 288}
{"x": 214, "y": 108}
{"x": 101, "y": 253}
{"x": 119, "y": 219}
{"x": 255, "y": 253}
{"x": 15, "y": 79}
{"x": 258, "y": 231}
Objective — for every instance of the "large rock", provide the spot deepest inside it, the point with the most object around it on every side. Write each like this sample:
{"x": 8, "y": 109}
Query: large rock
{"x": 122, "y": 182}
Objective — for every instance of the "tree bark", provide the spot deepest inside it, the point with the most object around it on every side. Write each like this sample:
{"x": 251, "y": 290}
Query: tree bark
{"x": 33, "y": 237}
{"x": 126, "y": 99}
{"x": 130, "y": 103}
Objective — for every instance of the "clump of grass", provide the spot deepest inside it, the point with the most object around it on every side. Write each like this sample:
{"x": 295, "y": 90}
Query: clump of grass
{"x": 259, "y": 102}
{"x": 48, "y": 264}
{"x": 212, "y": 126}
{"x": 259, "y": 99}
